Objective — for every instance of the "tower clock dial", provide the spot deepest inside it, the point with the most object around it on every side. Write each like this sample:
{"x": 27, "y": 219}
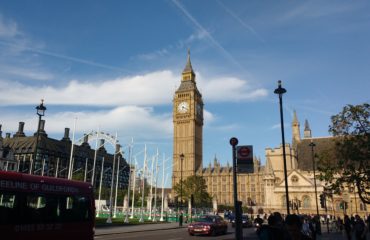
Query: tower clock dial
{"x": 183, "y": 107}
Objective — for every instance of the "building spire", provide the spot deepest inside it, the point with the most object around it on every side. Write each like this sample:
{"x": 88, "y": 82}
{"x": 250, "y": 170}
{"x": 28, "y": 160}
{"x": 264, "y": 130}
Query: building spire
{"x": 307, "y": 130}
{"x": 295, "y": 119}
{"x": 306, "y": 125}
{"x": 295, "y": 130}
{"x": 188, "y": 68}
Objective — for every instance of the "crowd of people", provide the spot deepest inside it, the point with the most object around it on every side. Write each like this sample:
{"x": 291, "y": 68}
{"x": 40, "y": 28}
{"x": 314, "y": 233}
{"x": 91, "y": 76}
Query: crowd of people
{"x": 306, "y": 227}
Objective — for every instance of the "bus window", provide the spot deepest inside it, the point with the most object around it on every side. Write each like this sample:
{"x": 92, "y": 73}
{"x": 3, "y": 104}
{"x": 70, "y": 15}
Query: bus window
{"x": 7, "y": 207}
{"x": 75, "y": 208}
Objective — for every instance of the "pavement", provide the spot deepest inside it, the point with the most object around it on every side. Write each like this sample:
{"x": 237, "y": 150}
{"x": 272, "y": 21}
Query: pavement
{"x": 116, "y": 229}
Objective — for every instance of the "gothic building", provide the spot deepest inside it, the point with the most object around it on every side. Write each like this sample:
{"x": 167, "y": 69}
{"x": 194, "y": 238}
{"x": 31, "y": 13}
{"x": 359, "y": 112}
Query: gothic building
{"x": 187, "y": 149}
{"x": 265, "y": 188}
{"x": 53, "y": 157}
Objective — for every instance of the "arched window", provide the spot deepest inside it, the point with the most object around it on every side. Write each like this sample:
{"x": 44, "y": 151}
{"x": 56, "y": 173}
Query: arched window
{"x": 363, "y": 207}
{"x": 306, "y": 202}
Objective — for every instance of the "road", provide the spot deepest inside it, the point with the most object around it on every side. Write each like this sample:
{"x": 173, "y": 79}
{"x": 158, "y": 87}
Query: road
{"x": 172, "y": 234}
{"x": 171, "y": 231}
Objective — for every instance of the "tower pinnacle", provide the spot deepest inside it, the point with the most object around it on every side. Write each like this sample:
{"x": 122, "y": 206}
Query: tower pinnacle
{"x": 188, "y": 68}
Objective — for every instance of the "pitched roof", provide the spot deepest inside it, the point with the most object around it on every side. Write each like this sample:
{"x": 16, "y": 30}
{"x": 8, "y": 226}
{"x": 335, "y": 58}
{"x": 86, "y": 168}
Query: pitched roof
{"x": 323, "y": 146}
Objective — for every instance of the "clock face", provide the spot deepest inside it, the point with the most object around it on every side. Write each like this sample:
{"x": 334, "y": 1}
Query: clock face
{"x": 183, "y": 107}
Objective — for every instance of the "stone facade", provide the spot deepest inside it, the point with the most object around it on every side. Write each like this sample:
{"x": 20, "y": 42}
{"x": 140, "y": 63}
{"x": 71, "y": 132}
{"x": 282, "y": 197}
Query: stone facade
{"x": 265, "y": 188}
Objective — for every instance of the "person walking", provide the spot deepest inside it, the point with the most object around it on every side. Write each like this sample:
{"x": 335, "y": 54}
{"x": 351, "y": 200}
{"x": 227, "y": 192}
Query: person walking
{"x": 360, "y": 228}
{"x": 347, "y": 227}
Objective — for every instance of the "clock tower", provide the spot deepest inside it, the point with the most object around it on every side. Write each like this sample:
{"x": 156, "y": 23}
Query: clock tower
{"x": 187, "y": 126}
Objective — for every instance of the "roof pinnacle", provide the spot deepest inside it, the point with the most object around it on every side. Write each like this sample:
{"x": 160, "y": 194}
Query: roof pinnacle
{"x": 188, "y": 67}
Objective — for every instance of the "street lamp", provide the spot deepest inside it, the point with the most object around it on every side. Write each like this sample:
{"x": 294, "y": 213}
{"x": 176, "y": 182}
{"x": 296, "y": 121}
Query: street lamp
{"x": 181, "y": 159}
{"x": 312, "y": 145}
{"x": 280, "y": 91}
{"x": 40, "y": 111}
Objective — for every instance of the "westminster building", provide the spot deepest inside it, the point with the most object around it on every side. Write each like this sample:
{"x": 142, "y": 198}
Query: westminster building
{"x": 264, "y": 189}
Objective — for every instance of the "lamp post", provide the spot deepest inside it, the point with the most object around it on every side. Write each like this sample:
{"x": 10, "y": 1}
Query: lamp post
{"x": 280, "y": 91}
{"x": 312, "y": 145}
{"x": 40, "y": 111}
{"x": 181, "y": 159}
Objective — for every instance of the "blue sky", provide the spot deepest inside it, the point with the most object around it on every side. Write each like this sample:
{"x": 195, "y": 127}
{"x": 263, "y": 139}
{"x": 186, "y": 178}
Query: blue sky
{"x": 115, "y": 65}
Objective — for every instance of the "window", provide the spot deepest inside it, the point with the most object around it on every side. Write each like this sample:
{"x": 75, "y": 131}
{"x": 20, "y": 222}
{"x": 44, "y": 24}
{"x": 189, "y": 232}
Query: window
{"x": 306, "y": 202}
{"x": 7, "y": 207}
{"x": 294, "y": 179}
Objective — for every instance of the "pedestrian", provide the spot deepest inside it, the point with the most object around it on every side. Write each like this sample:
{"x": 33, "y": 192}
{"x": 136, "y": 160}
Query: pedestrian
{"x": 347, "y": 227}
{"x": 180, "y": 219}
{"x": 294, "y": 227}
{"x": 306, "y": 227}
{"x": 360, "y": 228}
{"x": 272, "y": 231}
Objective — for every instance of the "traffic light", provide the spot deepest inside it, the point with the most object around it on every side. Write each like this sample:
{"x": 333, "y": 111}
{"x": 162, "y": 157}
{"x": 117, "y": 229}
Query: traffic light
{"x": 322, "y": 201}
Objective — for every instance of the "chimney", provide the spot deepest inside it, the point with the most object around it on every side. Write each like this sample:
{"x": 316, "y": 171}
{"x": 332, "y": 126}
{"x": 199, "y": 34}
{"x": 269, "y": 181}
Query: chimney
{"x": 86, "y": 138}
{"x": 66, "y": 135}
{"x": 86, "y": 141}
{"x": 20, "y": 132}
{"x": 42, "y": 129}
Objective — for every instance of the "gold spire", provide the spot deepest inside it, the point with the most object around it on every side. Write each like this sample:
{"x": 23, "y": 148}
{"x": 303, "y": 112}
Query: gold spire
{"x": 188, "y": 73}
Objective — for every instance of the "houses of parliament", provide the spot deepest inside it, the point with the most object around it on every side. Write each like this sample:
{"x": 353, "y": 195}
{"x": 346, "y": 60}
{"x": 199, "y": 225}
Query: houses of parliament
{"x": 264, "y": 189}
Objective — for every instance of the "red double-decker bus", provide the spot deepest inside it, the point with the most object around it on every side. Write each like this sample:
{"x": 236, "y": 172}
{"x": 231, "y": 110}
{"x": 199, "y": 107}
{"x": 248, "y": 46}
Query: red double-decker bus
{"x": 35, "y": 207}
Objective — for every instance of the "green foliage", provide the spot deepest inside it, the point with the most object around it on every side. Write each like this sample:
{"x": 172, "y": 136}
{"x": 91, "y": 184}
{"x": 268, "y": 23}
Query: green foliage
{"x": 195, "y": 185}
{"x": 351, "y": 129}
{"x": 79, "y": 176}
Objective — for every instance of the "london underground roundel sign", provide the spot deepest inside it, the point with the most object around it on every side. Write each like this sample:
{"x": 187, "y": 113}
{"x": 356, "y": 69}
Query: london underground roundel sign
{"x": 244, "y": 152}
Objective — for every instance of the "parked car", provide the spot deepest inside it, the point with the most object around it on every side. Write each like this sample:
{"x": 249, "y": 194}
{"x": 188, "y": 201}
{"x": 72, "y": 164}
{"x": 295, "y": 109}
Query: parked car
{"x": 209, "y": 225}
{"x": 246, "y": 222}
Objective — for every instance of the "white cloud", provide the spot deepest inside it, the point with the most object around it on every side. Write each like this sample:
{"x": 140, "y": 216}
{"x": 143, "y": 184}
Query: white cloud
{"x": 312, "y": 9}
{"x": 26, "y": 73}
{"x": 135, "y": 121}
{"x": 229, "y": 89}
{"x": 151, "y": 89}
{"x": 8, "y": 29}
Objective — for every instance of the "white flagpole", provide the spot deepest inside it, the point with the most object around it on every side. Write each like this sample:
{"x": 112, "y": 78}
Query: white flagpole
{"x": 57, "y": 168}
{"x": 129, "y": 179}
{"x": 133, "y": 190}
{"x": 155, "y": 191}
{"x": 101, "y": 179}
{"x": 115, "y": 197}
{"x": 142, "y": 198}
{"x": 71, "y": 156}
{"x": 85, "y": 176}
{"x": 95, "y": 155}
{"x": 162, "y": 188}
{"x": 151, "y": 190}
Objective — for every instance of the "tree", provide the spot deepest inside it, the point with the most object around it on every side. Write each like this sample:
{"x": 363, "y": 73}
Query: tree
{"x": 195, "y": 185}
{"x": 351, "y": 131}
